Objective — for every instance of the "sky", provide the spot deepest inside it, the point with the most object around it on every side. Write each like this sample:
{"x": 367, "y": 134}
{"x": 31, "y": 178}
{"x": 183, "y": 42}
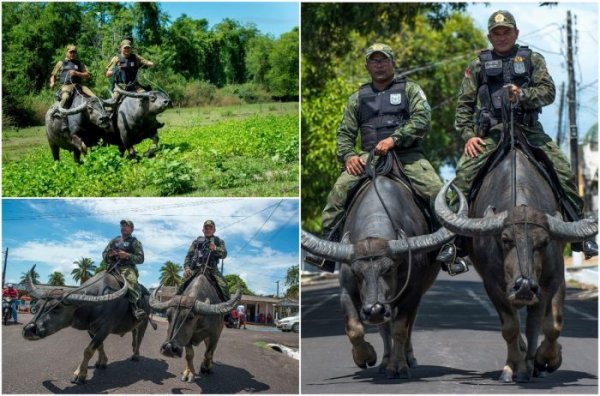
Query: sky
{"x": 272, "y": 18}
{"x": 261, "y": 235}
{"x": 544, "y": 30}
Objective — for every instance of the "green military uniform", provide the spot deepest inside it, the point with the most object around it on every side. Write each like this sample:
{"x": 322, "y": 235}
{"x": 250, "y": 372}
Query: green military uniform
{"x": 126, "y": 74}
{"x": 68, "y": 84}
{"x": 408, "y": 138}
{"x": 135, "y": 255}
{"x": 199, "y": 255}
{"x": 540, "y": 92}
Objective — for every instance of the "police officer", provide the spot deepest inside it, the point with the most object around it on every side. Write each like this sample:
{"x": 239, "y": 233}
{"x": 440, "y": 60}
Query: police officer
{"x": 390, "y": 113}
{"x": 125, "y": 67}
{"x": 70, "y": 73}
{"x": 125, "y": 252}
{"x": 531, "y": 86}
{"x": 204, "y": 255}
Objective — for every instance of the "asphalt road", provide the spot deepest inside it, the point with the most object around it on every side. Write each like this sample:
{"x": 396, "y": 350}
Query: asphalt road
{"x": 457, "y": 343}
{"x": 241, "y": 364}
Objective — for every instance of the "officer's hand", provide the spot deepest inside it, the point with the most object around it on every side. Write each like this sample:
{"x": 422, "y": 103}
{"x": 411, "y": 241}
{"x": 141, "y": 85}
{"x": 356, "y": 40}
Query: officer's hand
{"x": 384, "y": 146}
{"x": 474, "y": 146}
{"x": 212, "y": 246}
{"x": 513, "y": 92}
{"x": 123, "y": 254}
{"x": 72, "y": 73}
{"x": 109, "y": 73}
{"x": 112, "y": 253}
{"x": 52, "y": 84}
{"x": 355, "y": 165}
{"x": 187, "y": 272}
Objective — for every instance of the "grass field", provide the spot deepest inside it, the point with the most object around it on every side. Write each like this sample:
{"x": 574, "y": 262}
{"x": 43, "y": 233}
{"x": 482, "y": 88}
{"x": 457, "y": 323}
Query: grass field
{"x": 246, "y": 150}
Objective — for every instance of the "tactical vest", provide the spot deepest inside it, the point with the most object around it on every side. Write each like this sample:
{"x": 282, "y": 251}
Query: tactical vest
{"x": 496, "y": 71}
{"x": 202, "y": 252}
{"x": 381, "y": 113}
{"x": 128, "y": 69}
{"x": 67, "y": 66}
{"x": 126, "y": 245}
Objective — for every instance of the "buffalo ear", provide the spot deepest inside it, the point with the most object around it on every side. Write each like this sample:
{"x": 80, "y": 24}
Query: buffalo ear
{"x": 489, "y": 211}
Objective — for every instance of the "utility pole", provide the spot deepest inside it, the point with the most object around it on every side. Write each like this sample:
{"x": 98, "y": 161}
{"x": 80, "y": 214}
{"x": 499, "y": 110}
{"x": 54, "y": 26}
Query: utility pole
{"x": 277, "y": 288}
{"x": 572, "y": 102}
{"x": 559, "y": 131}
{"x": 4, "y": 269}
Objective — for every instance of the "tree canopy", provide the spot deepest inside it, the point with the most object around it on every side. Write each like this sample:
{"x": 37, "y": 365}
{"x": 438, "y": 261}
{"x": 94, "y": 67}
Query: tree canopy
{"x": 56, "y": 279}
{"x": 84, "y": 270}
{"x": 292, "y": 282}
{"x": 233, "y": 280}
{"x": 169, "y": 274}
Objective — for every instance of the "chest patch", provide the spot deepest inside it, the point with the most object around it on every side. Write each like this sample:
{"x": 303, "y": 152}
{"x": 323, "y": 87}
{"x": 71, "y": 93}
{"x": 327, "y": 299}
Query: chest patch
{"x": 519, "y": 67}
{"x": 396, "y": 99}
{"x": 493, "y": 64}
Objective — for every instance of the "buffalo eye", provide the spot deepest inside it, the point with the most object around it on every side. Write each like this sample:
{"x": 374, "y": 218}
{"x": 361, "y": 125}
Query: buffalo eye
{"x": 508, "y": 242}
{"x": 153, "y": 98}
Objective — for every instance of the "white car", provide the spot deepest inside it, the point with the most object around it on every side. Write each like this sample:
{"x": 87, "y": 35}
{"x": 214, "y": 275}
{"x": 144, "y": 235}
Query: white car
{"x": 290, "y": 323}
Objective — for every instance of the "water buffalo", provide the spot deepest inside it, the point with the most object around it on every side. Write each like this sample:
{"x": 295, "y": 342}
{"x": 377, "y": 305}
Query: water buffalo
{"x": 387, "y": 267}
{"x": 136, "y": 120}
{"x": 87, "y": 121}
{"x": 194, "y": 316}
{"x": 100, "y": 306}
{"x": 517, "y": 249}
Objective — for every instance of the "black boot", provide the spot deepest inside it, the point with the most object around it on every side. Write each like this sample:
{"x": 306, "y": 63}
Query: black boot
{"x": 321, "y": 263}
{"x": 450, "y": 261}
{"x": 590, "y": 249}
{"x": 138, "y": 312}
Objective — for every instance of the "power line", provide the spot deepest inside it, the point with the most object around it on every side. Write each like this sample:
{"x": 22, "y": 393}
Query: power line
{"x": 260, "y": 228}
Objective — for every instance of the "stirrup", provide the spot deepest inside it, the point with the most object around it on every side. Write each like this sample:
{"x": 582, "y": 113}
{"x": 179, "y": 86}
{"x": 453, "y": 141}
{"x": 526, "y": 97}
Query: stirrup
{"x": 457, "y": 267}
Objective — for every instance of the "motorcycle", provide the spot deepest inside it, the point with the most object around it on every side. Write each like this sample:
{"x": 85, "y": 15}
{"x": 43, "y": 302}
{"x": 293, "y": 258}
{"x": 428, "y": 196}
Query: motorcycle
{"x": 6, "y": 309}
{"x": 232, "y": 322}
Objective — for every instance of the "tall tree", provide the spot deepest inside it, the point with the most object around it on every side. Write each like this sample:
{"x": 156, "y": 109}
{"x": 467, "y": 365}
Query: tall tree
{"x": 84, "y": 270}
{"x": 56, "y": 279}
{"x": 233, "y": 280}
{"x": 170, "y": 274}
{"x": 35, "y": 276}
{"x": 292, "y": 281}
{"x": 283, "y": 75}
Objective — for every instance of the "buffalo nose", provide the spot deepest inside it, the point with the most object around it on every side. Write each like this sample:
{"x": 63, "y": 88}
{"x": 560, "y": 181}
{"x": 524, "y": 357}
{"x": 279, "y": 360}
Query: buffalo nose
{"x": 524, "y": 284}
{"x": 30, "y": 330}
{"x": 373, "y": 310}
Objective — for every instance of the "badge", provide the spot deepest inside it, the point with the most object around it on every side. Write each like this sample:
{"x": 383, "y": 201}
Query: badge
{"x": 131, "y": 64}
{"x": 499, "y": 18}
{"x": 493, "y": 64}
{"x": 76, "y": 67}
{"x": 519, "y": 67}
{"x": 395, "y": 99}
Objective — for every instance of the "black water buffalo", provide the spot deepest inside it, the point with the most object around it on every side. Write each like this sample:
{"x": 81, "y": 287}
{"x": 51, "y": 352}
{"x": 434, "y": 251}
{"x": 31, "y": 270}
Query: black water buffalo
{"x": 194, "y": 316}
{"x": 136, "y": 120}
{"x": 87, "y": 121}
{"x": 387, "y": 267}
{"x": 100, "y": 306}
{"x": 517, "y": 249}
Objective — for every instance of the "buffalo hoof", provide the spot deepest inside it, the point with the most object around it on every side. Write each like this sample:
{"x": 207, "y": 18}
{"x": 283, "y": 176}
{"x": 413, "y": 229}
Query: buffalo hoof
{"x": 506, "y": 377}
{"x": 188, "y": 376}
{"x": 135, "y": 358}
{"x": 548, "y": 367}
{"x": 403, "y": 373}
{"x": 412, "y": 363}
{"x": 364, "y": 355}
{"x": 100, "y": 366}
{"x": 523, "y": 377}
{"x": 206, "y": 370}
{"x": 77, "y": 380}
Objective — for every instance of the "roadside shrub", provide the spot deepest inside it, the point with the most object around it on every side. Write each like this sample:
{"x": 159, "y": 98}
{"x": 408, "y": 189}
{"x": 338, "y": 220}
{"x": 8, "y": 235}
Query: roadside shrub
{"x": 198, "y": 93}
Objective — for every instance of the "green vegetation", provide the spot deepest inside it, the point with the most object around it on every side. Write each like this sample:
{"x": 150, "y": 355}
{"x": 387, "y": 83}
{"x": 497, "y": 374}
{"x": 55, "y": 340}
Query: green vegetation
{"x": 433, "y": 44}
{"x": 252, "y": 151}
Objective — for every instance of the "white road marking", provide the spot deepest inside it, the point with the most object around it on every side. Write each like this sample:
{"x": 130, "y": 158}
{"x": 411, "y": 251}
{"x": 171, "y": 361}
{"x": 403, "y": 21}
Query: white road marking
{"x": 483, "y": 302}
{"x": 318, "y": 305}
{"x": 578, "y": 312}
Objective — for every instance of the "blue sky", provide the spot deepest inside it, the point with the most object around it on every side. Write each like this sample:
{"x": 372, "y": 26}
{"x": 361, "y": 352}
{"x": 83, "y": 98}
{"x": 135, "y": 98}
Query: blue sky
{"x": 272, "y": 18}
{"x": 261, "y": 235}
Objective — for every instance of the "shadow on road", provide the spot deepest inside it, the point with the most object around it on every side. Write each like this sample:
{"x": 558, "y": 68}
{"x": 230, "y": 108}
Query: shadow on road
{"x": 244, "y": 381}
{"x": 560, "y": 379}
{"x": 154, "y": 370}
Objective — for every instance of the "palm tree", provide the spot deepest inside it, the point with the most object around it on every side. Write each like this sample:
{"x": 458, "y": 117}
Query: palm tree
{"x": 169, "y": 274}
{"x": 35, "y": 276}
{"x": 56, "y": 279}
{"x": 83, "y": 272}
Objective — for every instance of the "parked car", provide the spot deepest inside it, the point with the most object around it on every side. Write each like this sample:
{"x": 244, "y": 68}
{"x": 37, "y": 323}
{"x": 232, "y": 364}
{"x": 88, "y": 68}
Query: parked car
{"x": 290, "y": 323}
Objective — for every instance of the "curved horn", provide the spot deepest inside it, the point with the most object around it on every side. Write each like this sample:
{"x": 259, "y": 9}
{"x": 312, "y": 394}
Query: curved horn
{"x": 132, "y": 94}
{"x": 74, "y": 110}
{"x": 158, "y": 305}
{"x": 36, "y": 291}
{"x": 576, "y": 231}
{"x": 461, "y": 224}
{"x": 334, "y": 251}
{"x": 207, "y": 308}
{"x": 425, "y": 243}
{"x": 84, "y": 298}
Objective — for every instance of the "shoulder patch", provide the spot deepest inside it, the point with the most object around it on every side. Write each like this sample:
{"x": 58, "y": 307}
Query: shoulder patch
{"x": 422, "y": 95}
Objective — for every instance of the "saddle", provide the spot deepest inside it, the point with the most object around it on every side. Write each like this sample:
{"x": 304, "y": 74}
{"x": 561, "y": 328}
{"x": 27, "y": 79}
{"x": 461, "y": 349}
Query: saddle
{"x": 390, "y": 167}
{"x": 209, "y": 276}
{"x": 536, "y": 156}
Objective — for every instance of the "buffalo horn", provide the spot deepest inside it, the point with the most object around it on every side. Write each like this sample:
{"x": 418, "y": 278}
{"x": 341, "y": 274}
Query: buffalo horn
{"x": 460, "y": 223}
{"x": 339, "y": 252}
{"x": 72, "y": 111}
{"x": 156, "y": 304}
{"x": 206, "y": 308}
{"x": 575, "y": 231}
{"x": 132, "y": 94}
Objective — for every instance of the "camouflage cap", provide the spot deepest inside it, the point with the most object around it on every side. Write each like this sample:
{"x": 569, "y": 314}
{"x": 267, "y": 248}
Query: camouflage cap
{"x": 378, "y": 47}
{"x": 209, "y": 223}
{"x": 125, "y": 43}
{"x": 501, "y": 18}
{"x": 71, "y": 47}
{"x": 128, "y": 222}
